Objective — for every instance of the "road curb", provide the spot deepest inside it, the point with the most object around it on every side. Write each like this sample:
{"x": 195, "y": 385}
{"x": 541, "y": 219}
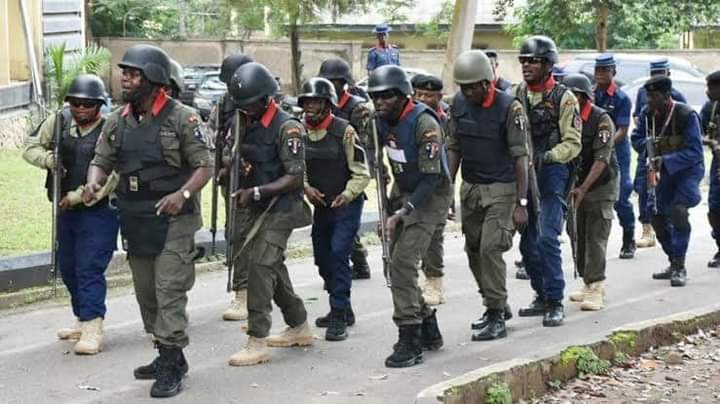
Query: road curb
{"x": 528, "y": 378}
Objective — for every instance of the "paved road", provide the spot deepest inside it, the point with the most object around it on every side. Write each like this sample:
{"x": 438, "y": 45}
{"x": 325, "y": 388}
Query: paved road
{"x": 36, "y": 368}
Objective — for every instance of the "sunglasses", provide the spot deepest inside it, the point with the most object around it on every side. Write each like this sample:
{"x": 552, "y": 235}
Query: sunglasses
{"x": 383, "y": 95}
{"x": 530, "y": 60}
{"x": 471, "y": 86}
{"x": 83, "y": 103}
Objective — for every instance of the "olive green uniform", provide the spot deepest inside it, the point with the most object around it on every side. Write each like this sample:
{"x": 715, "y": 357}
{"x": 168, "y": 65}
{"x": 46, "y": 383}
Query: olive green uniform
{"x": 264, "y": 254}
{"x": 487, "y": 213}
{"x": 595, "y": 213}
{"x": 162, "y": 281}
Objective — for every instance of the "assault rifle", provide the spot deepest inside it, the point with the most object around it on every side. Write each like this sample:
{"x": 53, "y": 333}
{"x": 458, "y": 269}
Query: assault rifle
{"x": 233, "y": 186}
{"x": 219, "y": 148}
{"x": 652, "y": 166}
{"x": 379, "y": 169}
{"x": 56, "y": 176}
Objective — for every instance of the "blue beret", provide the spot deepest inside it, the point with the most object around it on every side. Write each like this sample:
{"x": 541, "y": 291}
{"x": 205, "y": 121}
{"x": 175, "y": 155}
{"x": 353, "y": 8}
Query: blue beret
{"x": 382, "y": 28}
{"x": 427, "y": 82}
{"x": 659, "y": 83}
{"x": 604, "y": 60}
{"x": 558, "y": 71}
{"x": 660, "y": 64}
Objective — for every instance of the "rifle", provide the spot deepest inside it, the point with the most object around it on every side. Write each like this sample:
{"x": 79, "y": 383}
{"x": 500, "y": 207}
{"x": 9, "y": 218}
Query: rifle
{"x": 651, "y": 166}
{"x": 219, "y": 144}
{"x": 56, "y": 176}
{"x": 234, "y": 185}
{"x": 572, "y": 231}
{"x": 379, "y": 169}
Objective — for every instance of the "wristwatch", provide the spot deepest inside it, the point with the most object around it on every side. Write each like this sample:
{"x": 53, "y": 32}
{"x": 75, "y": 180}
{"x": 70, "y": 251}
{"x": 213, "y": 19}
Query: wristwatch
{"x": 522, "y": 202}
{"x": 256, "y": 194}
{"x": 186, "y": 194}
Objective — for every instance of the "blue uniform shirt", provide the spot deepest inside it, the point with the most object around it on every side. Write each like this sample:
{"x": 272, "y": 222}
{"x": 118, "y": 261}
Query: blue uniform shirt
{"x": 641, "y": 99}
{"x": 616, "y": 103}
{"x": 383, "y": 56}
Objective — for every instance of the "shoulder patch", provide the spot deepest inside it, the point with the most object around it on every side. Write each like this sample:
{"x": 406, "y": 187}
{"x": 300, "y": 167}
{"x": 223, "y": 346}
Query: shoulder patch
{"x": 431, "y": 135}
{"x": 295, "y": 145}
{"x": 293, "y": 131}
{"x": 604, "y": 135}
{"x": 199, "y": 134}
{"x": 193, "y": 119}
{"x": 519, "y": 122}
{"x": 432, "y": 149}
{"x": 577, "y": 121}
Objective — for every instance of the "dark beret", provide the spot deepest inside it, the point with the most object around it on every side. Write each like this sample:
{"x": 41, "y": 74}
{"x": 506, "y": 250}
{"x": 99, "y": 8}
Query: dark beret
{"x": 713, "y": 77}
{"x": 427, "y": 82}
{"x": 659, "y": 83}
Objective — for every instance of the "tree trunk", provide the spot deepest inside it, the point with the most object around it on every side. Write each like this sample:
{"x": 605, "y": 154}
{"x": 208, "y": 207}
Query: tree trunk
{"x": 460, "y": 39}
{"x": 295, "y": 54}
{"x": 602, "y": 12}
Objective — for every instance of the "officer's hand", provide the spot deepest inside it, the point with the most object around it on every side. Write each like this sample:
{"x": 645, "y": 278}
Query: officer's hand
{"x": 65, "y": 203}
{"x": 391, "y": 224}
{"x": 170, "y": 204}
{"x": 520, "y": 218}
{"x": 221, "y": 174}
{"x": 243, "y": 196}
{"x": 578, "y": 195}
{"x": 315, "y": 197}
{"x": 89, "y": 191}
{"x": 340, "y": 201}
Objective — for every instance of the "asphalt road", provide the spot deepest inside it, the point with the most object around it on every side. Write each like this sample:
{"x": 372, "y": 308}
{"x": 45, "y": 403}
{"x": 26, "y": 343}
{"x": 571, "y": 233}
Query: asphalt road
{"x": 37, "y": 368}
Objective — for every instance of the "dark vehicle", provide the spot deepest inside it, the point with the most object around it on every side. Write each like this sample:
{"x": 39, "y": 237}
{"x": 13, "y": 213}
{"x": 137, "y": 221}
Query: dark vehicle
{"x": 630, "y": 67}
{"x": 692, "y": 88}
{"x": 208, "y": 94}
{"x": 194, "y": 76}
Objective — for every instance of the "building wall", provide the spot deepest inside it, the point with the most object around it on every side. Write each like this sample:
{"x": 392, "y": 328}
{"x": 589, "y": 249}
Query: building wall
{"x": 413, "y": 41}
{"x": 63, "y": 22}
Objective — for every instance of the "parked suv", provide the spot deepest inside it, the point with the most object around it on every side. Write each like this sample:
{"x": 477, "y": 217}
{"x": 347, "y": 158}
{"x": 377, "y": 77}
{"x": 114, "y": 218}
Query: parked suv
{"x": 194, "y": 76}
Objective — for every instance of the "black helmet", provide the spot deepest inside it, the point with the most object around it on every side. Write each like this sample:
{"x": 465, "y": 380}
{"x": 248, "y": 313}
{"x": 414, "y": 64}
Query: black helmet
{"x": 389, "y": 77}
{"x": 230, "y": 64}
{"x": 177, "y": 75}
{"x": 87, "y": 87}
{"x": 578, "y": 83}
{"x": 333, "y": 69}
{"x": 318, "y": 87}
{"x": 251, "y": 82}
{"x": 151, "y": 60}
{"x": 540, "y": 46}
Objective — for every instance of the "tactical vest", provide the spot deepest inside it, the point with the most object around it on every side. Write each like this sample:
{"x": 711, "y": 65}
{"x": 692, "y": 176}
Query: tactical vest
{"x": 586, "y": 158}
{"x": 76, "y": 154}
{"x": 712, "y": 131}
{"x": 674, "y": 137}
{"x": 346, "y": 111}
{"x": 260, "y": 150}
{"x": 226, "y": 109}
{"x": 401, "y": 138}
{"x": 503, "y": 85}
{"x": 327, "y": 167}
{"x": 483, "y": 137}
{"x": 544, "y": 117}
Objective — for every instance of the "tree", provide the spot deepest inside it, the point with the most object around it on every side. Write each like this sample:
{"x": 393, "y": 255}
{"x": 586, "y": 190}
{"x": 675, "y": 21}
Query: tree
{"x": 63, "y": 68}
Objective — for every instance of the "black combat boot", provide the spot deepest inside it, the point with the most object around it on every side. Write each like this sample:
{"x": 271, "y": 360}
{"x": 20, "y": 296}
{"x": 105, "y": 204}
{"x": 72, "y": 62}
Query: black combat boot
{"x": 664, "y": 274}
{"x": 168, "y": 377}
{"x": 431, "y": 339}
{"x": 536, "y": 307}
{"x": 324, "y": 321}
{"x": 494, "y": 326}
{"x": 554, "y": 314}
{"x": 522, "y": 274}
{"x": 480, "y": 323}
{"x": 407, "y": 351}
{"x": 628, "y": 246}
{"x": 679, "y": 273}
{"x": 337, "y": 329}
{"x": 715, "y": 261}
{"x": 361, "y": 271}
{"x": 149, "y": 371}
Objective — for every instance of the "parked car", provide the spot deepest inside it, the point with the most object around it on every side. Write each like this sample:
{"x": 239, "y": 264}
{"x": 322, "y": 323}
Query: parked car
{"x": 208, "y": 94}
{"x": 193, "y": 77}
{"x": 692, "y": 88}
{"x": 411, "y": 72}
{"x": 630, "y": 67}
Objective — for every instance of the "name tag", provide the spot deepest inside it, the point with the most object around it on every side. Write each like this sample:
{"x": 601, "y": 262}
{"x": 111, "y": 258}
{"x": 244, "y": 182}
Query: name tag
{"x": 396, "y": 155}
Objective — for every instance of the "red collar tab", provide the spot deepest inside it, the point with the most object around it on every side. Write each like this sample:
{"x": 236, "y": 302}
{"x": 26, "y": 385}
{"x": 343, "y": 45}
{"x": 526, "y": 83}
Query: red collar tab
{"x": 126, "y": 111}
{"x": 548, "y": 84}
{"x": 383, "y": 45}
{"x": 490, "y": 97}
{"x": 440, "y": 113}
{"x": 344, "y": 98}
{"x": 585, "y": 111}
{"x": 612, "y": 88}
{"x": 157, "y": 106}
{"x": 322, "y": 125}
{"x": 269, "y": 114}
{"x": 408, "y": 108}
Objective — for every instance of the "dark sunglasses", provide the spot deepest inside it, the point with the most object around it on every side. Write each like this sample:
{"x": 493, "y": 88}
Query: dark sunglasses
{"x": 383, "y": 95}
{"x": 530, "y": 60}
{"x": 471, "y": 86}
{"x": 83, "y": 103}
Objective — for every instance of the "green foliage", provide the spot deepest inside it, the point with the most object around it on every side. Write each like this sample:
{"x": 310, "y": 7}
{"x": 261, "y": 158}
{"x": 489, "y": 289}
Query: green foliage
{"x": 498, "y": 393}
{"x": 443, "y": 17}
{"x": 394, "y": 11}
{"x": 620, "y": 339}
{"x": 586, "y": 361}
{"x": 619, "y": 358}
{"x": 63, "y": 68}
{"x": 554, "y": 384}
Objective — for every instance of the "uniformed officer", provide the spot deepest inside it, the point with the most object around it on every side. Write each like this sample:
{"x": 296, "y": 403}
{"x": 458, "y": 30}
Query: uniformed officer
{"x": 382, "y": 53}
{"x": 428, "y": 90}
{"x": 658, "y": 67}
{"x": 555, "y": 126}
{"x": 271, "y": 166}
{"x": 337, "y": 175}
{"x": 356, "y": 110}
{"x": 161, "y": 153}
{"x": 594, "y": 193}
{"x": 488, "y": 136}
{"x": 500, "y": 83}
{"x": 223, "y": 127}
{"x": 177, "y": 81}
{"x": 710, "y": 119}
{"x": 419, "y": 199}
{"x": 612, "y": 99}
{"x": 677, "y": 169}
{"x": 87, "y": 232}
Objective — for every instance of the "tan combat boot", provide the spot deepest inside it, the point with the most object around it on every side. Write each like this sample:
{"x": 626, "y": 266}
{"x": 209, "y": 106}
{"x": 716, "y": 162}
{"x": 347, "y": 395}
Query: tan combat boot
{"x": 292, "y": 336}
{"x": 91, "y": 339}
{"x": 579, "y": 295}
{"x": 594, "y": 297}
{"x": 238, "y": 308}
{"x": 648, "y": 237}
{"x": 255, "y": 352}
{"x": 433, "y": 292}
{"x": 72, "y": 333}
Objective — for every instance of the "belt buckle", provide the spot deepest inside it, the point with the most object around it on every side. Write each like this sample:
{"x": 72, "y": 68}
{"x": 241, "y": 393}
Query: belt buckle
{"x": 134, "y": 184}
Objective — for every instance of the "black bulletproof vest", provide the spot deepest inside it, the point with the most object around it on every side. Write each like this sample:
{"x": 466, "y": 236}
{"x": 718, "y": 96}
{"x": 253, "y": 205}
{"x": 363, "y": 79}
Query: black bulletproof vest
{"x": 327, "y": 167}
{"x": 589, "y": 134}
{"x": 483, "y": 137}
{"x": 76, "y": 154}
{"x": 145, "y": 176}
{"x": 544, "y": 117}
{"x": 347, "y": 109}
{"x": 674, "y": 137}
